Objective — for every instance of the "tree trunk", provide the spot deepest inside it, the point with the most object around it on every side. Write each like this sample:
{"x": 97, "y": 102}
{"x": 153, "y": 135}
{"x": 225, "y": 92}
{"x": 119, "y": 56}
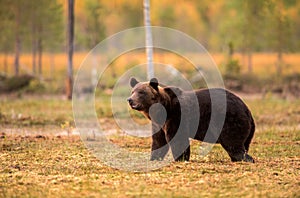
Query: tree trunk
{"x": 230, "y": 50}
{"x": 17, "y": 43}
{"x": 279, "y": 63}
{"x": 249, "y": 60}
{"x": 40, "y": 54}
{"x": 149, "y": 43}
{"x": 33, "y": 40}
{"x": 52, "y": 65}
{"x": 69, "y": 83}
{"x": 5, "y": 63}
{"x": 34, "y": 49}
{"x": 280, "y": 41}
{"x": 17, "y": 54}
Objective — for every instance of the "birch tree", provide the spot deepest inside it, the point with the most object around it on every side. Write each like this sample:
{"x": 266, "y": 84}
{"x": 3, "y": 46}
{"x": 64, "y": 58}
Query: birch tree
{"x": 149, "y": 43}
{"x": 70, "y": 48}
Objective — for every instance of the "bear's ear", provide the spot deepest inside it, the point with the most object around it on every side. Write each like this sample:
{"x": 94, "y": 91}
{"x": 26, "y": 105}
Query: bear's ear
{"x": 173, "y": 92}
{"x": 133, "y": 82}
{"x": 154, "y": 83}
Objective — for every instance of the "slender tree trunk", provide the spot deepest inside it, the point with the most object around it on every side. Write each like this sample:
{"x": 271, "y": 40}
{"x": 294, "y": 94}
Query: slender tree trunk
{"x": 69, "y": 86}
{"x": 279, "y": 62}
{"x": 34, "y": 49}
{"x": 17, "y": 54}
{"x": 5, "y": 63}
{"x": 249, "y": 61}
{"x": 280, "y": 41}
{"x": 40, "y": 54}
{"x": 230, "y": 50}
{"x": 33, "y": 40}
{"x": 279, "y": 55}
{"x": 149, "y": 43}
{"x": 17, "y": 43}
{"x": 52, "y": 65}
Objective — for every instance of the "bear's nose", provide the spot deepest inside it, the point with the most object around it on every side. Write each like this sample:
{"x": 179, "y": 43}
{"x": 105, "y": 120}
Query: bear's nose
{"x": 130, "y": 101}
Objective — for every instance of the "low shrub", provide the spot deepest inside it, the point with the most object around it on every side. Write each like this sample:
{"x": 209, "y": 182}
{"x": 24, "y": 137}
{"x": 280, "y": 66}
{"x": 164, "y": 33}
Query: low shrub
{"x": 15, "y": 83}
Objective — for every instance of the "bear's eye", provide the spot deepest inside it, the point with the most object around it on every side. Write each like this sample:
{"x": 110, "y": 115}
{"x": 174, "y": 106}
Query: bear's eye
{"x": 142, "y": 92}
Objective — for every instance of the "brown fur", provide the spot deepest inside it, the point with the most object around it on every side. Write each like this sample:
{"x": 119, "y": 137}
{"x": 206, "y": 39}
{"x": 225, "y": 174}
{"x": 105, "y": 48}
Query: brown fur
{"x": 176, "y": 127}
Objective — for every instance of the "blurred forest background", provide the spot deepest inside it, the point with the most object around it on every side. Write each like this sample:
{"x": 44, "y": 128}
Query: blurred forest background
{"x": 253, "y": 41}
{"x": 255, "y": 44}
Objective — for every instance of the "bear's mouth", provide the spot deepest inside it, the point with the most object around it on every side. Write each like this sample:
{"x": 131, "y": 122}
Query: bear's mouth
{"x": 136, "y": 106}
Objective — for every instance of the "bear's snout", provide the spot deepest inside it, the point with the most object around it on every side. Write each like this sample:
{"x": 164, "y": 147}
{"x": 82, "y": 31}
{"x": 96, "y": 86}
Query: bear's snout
{"x": 130, "y": 101}
{"x": 133, "y": 104}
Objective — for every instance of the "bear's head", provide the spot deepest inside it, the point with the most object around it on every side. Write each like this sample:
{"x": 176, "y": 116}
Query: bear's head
{"x": 145, "y": 94}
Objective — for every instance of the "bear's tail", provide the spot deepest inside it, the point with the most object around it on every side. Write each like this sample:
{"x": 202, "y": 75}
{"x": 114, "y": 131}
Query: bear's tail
{"x": 252, "y": 130}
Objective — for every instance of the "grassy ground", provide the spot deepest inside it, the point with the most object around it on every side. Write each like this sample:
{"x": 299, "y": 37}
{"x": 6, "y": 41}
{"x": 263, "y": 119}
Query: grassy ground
{"x": 51, "y": 165}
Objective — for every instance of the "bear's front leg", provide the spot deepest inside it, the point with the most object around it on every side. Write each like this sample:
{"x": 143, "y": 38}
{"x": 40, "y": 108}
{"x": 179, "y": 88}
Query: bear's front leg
{"x": 159, "y": 146}
{"x": 179, "y": 143}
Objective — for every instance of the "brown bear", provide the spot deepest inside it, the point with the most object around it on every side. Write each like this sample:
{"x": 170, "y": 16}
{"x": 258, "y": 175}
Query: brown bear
{"x": 178, "y": 115}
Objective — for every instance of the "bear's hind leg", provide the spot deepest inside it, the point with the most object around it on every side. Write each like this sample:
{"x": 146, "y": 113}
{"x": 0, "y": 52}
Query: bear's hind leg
{"x": 237, "y": 153}
{"x": 248, "y": 158}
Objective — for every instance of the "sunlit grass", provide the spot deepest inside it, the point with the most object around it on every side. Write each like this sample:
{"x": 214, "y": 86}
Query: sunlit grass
{"x": 52, "y": 166}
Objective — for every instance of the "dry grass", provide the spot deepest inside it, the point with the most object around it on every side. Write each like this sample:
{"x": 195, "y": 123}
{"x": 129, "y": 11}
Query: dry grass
{"x": 61, "y": 166}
